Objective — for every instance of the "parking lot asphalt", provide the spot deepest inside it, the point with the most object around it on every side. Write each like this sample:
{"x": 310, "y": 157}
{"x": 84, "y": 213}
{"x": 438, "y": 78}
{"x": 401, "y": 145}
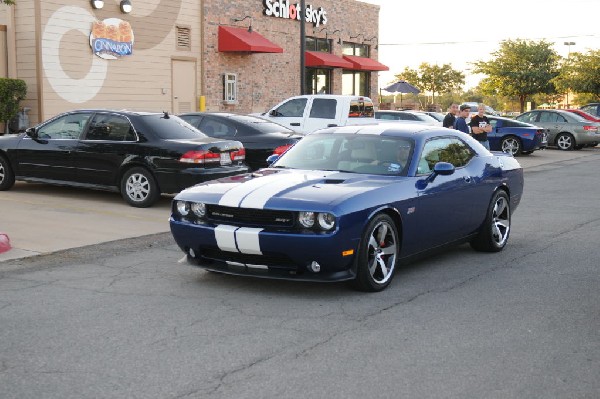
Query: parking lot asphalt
{"x": 41, "y": 219}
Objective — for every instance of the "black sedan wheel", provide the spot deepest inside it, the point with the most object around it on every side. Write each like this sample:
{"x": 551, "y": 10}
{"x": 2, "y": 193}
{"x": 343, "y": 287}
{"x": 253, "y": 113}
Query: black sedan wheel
{"x": 139, "y": 188}
{"x": 511, "y": 145}
{"x": 7, "y": 176}
{"x": 377, "y": 254}
{"x": 565, "y": 141}
{"x": 495, "y": 230}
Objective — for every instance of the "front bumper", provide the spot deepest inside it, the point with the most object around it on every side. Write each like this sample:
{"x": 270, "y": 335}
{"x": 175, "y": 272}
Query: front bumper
{"x": 274, "y": 253}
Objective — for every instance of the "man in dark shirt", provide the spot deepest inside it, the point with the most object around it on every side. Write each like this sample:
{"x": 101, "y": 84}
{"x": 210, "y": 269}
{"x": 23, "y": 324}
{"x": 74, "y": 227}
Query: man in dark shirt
{"x": 450, "y": 116}
{"x": 460, "y": 123}
{"x": 480, "y": 126}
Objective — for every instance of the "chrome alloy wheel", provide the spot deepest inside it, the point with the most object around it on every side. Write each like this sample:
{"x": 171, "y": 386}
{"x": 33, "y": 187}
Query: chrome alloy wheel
{"x": 511, "y": 146}
{"x": 500, "y": 221}
{"x": 565, "y": 142}
{"x": 381, "y": 253}
{"x": 137, "y": 187}
{"x": 2, "y": 172}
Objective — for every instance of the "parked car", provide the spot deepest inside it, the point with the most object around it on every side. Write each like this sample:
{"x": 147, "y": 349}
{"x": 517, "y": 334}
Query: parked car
{"x": 592, "y": 108}
{"x": 566, "y": 130}
{"x": 515, "y": 137}
{"x": 351, "y": 203}
{"x": 140, "y": 155}
{"x": 261, "y": 138}
{"x": 409, "y": 116}
{"x": 584, "y": 115}
{"x": 488, "y": 110}
{"x": 438, "y": 116}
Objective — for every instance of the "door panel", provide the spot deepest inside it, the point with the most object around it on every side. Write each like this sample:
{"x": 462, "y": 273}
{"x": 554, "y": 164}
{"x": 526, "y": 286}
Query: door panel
{"x": 184, "y": 86}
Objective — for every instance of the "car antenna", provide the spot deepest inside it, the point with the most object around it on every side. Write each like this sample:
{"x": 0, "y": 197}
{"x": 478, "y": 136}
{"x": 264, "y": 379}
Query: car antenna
{"x": 166, "y": 115}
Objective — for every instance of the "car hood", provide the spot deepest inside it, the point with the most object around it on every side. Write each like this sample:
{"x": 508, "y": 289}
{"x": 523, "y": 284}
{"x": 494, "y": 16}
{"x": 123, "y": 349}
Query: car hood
{"x": 288, "y": 189}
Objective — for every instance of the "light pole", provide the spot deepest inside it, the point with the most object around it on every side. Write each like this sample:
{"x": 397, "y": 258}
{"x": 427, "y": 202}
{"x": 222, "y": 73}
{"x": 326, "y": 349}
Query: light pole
{"x": 302, "y": 47}
{"x": 569, "y": 44}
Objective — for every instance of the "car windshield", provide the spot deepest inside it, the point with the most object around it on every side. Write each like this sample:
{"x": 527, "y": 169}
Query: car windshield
{"x": 171, "y": 127}
{"x": 261, "y": 124}
{"x": 353, "y": 153}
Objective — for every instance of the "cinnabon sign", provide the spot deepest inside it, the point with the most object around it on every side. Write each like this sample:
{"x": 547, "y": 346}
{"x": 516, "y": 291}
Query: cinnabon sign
{"x": 284, "y": 9}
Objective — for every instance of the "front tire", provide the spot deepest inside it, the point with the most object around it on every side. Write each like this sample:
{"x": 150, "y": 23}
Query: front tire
{"x": 565, "y": 141}
{"x": 511, "y": 145}
{"x": 377, "y": 255}
{"x": 138, "y": 188}
{"x": 7, "y": 176}
{"x": 494, "y": 232}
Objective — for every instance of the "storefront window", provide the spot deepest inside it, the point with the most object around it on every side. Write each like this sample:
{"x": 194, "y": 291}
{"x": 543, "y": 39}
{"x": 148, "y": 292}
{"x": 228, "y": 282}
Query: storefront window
{"x": 357, "y": 49}
{"x": 318, "y": 44}
{"x": 318, "y": 81}
{"x": 356, "y": 83}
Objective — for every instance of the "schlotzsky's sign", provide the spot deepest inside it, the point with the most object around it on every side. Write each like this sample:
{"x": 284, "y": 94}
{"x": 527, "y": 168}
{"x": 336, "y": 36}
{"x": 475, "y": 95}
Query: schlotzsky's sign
{"x": 111, "y": 38}
{"x": 285, "y": 9}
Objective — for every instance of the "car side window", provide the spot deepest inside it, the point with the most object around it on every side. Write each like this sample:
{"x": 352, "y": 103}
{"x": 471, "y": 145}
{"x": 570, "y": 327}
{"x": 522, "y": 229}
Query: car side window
{"x": 214, "y": 128}
{"x": 110, "y": 127}
{"x": 193, "y": 120}
{"x": 323, "y": 108}
{"x": 445, "y": 149}
{"x": 528, "y": 118}
{"x": 293, "y": 108}
{"x": 67, "y": 127}
{"x": 548, "y": 117}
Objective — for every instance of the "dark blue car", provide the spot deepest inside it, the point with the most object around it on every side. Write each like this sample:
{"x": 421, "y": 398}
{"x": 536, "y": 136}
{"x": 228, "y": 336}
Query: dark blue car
{"x": 351, "y": 203}
{"x": 515, "y": 137}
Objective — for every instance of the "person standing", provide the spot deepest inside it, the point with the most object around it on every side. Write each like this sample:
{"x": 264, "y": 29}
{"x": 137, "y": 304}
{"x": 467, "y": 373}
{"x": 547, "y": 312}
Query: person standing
{"x": 480, "y": 126}
{"x": 461, "y": 122}
{"x": 450, "y": 116}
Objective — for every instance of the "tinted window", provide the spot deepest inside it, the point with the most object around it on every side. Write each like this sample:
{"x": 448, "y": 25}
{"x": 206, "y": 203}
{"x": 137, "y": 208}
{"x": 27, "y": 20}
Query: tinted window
{"x": 292, "y": 109}
{"x": 66, "y": 127}
{"x": 172, "y": 127}
{"x": 110, "y": 127}
{"x": 262, "y": 125}
{"x": 323, "y": 108}
{"x": 550, "y": 117}
{"x": 193, "y": 120}
{"x": 445, "y": 149}
{"x": 590, "y": 109}
{"x": 529, "y": 117}
{"x": 215, "y": 128}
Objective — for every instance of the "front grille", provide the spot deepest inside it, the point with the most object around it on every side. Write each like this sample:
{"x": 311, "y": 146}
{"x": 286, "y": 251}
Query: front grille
{"x": 259, "y": 217}
{"x": 273, "y": 261}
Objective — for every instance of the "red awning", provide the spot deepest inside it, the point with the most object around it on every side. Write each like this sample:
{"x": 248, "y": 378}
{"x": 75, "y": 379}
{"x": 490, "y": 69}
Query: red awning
{"x": 365, "y": 64}
{"x": 239, "y": 39}
{"x": 321, "y": 59}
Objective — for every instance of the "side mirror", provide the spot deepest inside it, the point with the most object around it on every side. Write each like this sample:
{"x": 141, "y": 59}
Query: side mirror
{"x": 440, "y": 168}
{"x": 273, "y": 113}
{"x": 31, "y": 132}
{"x": 272, "y": 158}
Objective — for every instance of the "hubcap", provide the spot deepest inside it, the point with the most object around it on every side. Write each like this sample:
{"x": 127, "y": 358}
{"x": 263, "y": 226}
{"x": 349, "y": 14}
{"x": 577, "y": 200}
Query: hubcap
{"x": 381, "y": 252}
{"x": 2, "y": 172}
{"x": 137, "y": 187}
{"x": 564, "y": 142}
{"x": 510, "y": 146}
{"x": 500, "y": 221}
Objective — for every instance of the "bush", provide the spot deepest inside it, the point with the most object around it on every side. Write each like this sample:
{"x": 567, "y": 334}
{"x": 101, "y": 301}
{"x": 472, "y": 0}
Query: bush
{"x": 12, "y": 91}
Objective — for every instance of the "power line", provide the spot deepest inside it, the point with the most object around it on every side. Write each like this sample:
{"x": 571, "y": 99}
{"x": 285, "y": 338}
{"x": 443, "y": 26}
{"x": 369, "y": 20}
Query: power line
{"x": 482, "y": 41}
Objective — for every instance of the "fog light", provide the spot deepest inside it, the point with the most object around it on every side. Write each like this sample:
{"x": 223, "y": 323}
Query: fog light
{"x": 314, "y": 267}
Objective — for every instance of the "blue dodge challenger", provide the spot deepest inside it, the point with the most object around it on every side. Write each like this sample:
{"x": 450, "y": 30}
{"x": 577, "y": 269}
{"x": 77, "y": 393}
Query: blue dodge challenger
{"x": 351, "y": 203}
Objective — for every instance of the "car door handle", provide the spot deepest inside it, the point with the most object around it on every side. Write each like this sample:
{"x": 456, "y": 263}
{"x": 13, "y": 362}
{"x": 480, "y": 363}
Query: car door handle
{"x": 332, "y": 125}
{"x": 295, "y": 124}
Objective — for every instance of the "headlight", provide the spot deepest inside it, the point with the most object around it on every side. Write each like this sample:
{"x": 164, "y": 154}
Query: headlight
{"x": 199, "y": 209}
{"x": 326, "y": 221}
{"x": 182, "y": 207}
{"x": 307, "y": 219}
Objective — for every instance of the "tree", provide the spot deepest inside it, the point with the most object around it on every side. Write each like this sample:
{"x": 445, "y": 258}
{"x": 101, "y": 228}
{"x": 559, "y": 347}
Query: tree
{"x": 12, "y": 91}
{"x": 434, "y": 78}
{"x": 9, "y": 2}
{"x": 520, "y": 68}
{"x": 580, "y": 73}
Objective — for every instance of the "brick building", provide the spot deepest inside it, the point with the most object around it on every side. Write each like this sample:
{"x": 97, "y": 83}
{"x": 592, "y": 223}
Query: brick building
{"x": 184, "y": 55}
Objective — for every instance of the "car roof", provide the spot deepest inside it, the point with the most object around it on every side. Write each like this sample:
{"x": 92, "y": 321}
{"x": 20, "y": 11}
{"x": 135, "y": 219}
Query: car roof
{"x": 404, "y": 129}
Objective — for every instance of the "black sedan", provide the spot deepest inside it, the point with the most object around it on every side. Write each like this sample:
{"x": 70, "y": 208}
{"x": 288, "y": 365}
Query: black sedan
{"x": 261, "y": 138}
{"x": 140, "y": 155}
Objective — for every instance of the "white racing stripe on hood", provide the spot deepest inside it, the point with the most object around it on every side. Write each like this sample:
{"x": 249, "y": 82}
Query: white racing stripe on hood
{"x": 225, "y": 236}
{"x": 258, "y": 198}
{"x": 247, "y": 240}
{"x": 234, "y": 196}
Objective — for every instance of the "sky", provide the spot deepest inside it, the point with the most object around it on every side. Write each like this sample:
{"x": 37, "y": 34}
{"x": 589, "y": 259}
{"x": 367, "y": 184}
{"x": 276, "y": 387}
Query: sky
{"x": 460, "y": 33}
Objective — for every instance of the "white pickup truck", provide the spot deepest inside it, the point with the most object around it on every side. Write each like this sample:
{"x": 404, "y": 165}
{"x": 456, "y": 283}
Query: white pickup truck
{"x": 305, "y": 114}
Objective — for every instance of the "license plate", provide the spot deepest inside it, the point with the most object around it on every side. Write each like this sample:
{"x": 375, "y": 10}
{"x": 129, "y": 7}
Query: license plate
{"x": 225, "y": 158}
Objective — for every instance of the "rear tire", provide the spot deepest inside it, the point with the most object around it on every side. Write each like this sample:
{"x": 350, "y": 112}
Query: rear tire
{"x": 511, "y": 145}
{"x": 7, "y": 176}
{"x": 565, "y": 141}
{"x": 494, "y": 232}
{"x": 138, "y": 188}
{"x": 377, "y": 255}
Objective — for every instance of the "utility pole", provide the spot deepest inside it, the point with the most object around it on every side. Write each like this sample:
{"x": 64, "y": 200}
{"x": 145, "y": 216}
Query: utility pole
{"x": 569, "y": 44}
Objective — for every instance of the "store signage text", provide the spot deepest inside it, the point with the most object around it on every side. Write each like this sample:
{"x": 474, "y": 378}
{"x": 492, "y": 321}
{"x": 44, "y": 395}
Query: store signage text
{"x": 111, "y": 38}
{"x": 284, "y": 9}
